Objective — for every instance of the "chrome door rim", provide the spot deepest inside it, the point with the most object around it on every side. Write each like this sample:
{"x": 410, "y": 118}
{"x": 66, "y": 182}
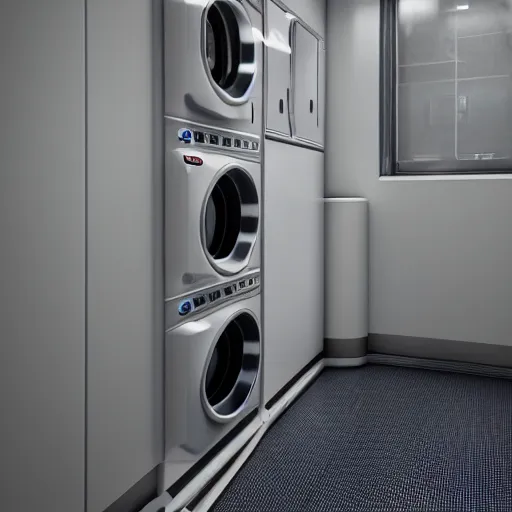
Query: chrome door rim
{"x": 238, "y": 257}
{"x": 247, "y": 377}
{"x": 247, "y": 66}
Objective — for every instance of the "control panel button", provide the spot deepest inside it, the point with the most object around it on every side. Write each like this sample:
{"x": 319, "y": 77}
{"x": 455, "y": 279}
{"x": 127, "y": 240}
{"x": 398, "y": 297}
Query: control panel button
{"x": 256, "y": 280}
{"x": 226, "y": 142}
{"x": 185, "y": 135}
{"x": 185, "y": 307}
{"x": 199, "y": 137}
{"x": 214, "y": 139}
{"x": 246, "y": 144}
{"x": 255, "y": 146}
{"x": 214, "y": 295}
{"x": 251, "y": 282}
{"x": 228, "y": 290}
{"x": 241, "y": 285}
{"x": 238, "y": 143}
{"x": 199, "y": 301}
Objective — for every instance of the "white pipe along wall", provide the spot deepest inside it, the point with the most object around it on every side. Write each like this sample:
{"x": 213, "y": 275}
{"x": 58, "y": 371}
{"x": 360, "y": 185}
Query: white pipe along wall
{"x": 440, "y": 249}
{"x": 346, "y": 281}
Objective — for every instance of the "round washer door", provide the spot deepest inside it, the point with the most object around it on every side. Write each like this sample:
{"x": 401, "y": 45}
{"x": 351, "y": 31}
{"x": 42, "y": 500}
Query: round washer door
{"x": 230, "y": 221}
{"x": 232, "y": 368}
{"x": 229, "y": 50}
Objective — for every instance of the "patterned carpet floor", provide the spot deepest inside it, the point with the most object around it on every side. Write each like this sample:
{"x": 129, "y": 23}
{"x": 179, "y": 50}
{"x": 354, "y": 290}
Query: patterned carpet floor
{"x": 384, "y": 439}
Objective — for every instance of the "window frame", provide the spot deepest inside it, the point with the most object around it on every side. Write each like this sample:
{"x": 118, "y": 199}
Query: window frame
{"x": 388, "y": 134}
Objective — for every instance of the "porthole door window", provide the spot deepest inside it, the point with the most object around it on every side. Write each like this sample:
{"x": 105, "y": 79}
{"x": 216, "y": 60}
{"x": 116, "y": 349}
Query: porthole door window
{"x": 232, "y": 368}
{"x": 230, "y": 221}
{"x": 229, "y": 50}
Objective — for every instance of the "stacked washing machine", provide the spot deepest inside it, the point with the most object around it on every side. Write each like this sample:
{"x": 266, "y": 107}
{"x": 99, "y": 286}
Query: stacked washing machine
{"x": 213, "y": 105}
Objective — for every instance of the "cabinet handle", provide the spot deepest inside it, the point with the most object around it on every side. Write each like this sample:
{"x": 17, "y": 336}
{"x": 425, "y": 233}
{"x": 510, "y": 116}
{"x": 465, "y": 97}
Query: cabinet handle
{"x": 281, "y": 106}
{"x": 252, "y": 112}
{"x": 311, "y": 106}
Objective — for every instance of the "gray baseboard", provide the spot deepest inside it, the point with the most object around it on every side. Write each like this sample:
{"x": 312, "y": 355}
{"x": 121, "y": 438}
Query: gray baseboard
{"x": 345, "y": 362}
{"x": 441, "y": 350}
{"x": 444, "y": 366}
{"x": 143, "y": 492}
{"x": 335, "y": 348}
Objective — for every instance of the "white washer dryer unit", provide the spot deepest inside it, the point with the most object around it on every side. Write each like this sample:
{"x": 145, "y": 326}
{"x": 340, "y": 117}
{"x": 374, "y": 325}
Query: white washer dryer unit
{"x": 212, "y": 364}
{"x": 212, "y": 206}
{"x": 213, "y": 62}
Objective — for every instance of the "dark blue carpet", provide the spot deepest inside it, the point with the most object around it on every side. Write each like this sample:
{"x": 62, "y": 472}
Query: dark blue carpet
{"x": 383, "y": 438}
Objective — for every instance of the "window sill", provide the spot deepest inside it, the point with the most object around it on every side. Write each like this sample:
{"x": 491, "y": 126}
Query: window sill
{"x": 448, "y": 177}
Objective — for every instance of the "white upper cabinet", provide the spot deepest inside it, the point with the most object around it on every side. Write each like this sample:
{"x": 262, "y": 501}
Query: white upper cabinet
{"x": 278, "y": 70}
{"x": 295, "y": 74}
{"x": 305, "y": 114}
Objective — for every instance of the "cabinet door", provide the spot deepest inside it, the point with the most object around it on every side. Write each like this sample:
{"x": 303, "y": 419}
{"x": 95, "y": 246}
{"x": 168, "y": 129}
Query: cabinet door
{"x": 278, "y": 70}
{"x": 305, "y": 84}
{"x": 293, "y": 316}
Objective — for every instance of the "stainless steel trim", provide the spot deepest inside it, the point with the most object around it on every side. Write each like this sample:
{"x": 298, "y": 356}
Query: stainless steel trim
{"x": 285, "y": 8}
{"x": 293, "y": 142}
{"x": 291, "y": 96}
{"x": 308, "y": 141}
{"x": 212, "y": 414}
{"x": 276, "y": 133}
{"x": 263, "y": 188}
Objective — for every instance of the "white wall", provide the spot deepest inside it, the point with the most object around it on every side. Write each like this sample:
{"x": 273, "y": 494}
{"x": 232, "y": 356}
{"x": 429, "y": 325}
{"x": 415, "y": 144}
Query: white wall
{"x": 42, "y": 255}
{"x": 44, "y": 187}
{"x": 440, "y": 251}
{"x": 125, "y": 297}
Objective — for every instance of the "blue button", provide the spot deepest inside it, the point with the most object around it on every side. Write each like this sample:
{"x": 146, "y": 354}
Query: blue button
{"x": 185, "y": 135}
{"x": 185, "y": 308}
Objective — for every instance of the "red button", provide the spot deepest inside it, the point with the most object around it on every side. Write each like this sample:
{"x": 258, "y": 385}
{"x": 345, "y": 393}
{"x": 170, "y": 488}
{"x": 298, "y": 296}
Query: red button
{"x": 192, "y": 160}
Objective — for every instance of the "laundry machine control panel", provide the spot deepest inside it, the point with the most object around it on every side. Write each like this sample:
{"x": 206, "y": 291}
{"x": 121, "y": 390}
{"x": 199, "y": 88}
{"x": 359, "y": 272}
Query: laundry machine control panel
{"x": 220, "y": 139}
{"x": 205, "y": 300}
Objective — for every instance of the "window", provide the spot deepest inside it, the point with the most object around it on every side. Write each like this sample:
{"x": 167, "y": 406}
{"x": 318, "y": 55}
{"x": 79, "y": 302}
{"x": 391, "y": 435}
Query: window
{"x": 446, "y": 86}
